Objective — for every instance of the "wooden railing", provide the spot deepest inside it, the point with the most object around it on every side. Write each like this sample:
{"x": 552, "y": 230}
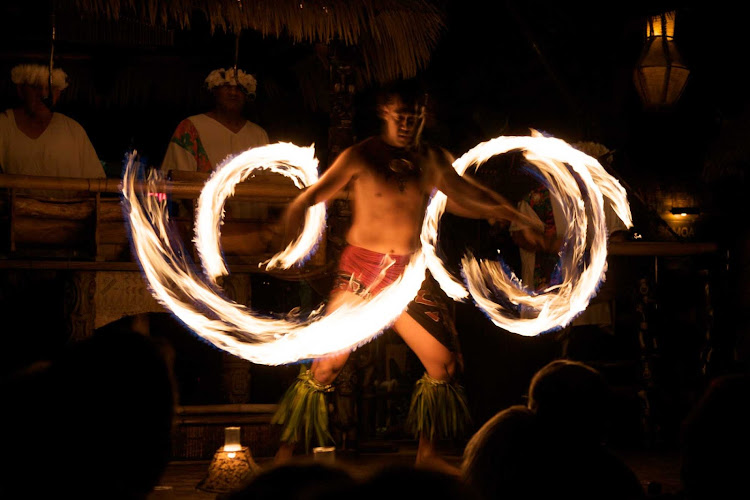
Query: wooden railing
{"x": 89, "y": 231}
{"x": 91, "y": 228}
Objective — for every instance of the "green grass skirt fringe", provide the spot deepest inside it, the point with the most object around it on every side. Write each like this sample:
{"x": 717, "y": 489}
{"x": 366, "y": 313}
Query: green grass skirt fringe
{"x": 303, "y": 411}
{"x": 438, "y": 409}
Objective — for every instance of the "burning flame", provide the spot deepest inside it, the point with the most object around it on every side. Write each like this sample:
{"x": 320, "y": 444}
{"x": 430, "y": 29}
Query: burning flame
{"x": 558, "y": 305}
{"x": 197, "y": 300}
{"x": 296, "y": 163}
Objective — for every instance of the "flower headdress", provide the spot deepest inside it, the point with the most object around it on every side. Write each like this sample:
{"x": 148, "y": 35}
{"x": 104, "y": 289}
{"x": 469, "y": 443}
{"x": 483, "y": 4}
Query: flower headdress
{"x": 38, "y": 74}
{"x": 223, "y": 76}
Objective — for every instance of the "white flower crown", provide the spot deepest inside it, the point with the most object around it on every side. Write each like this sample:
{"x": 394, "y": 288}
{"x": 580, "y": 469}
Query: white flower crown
{"x": 38, "y": 74}
{"x": 227, "y": 77}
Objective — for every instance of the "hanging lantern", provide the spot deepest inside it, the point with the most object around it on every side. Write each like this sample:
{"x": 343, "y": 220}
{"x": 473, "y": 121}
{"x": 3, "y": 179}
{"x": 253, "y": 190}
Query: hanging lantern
{"x": 660, "y": 76}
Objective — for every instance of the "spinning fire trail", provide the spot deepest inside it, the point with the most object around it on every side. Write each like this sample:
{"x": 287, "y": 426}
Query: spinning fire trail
{"x": 196, "y": 299}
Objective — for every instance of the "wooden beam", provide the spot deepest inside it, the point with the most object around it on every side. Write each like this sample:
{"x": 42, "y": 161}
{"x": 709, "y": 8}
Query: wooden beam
{"x": 264, "y": 190}
{"x": 662, "y": 248}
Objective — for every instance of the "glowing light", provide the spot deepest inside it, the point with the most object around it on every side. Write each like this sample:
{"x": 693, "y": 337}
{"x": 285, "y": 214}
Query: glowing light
{"x": 198, "y": 302}
{"x": 296, "y": 163}
{"x": 583, "y": 266}
{"x": 232, "y": 440}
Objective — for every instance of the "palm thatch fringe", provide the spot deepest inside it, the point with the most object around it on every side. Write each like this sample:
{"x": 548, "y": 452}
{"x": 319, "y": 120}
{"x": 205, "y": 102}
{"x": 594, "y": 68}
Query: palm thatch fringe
{"x": 438, "y": 409}
{"x": 303, "y": 411}
{"x": 396, "y": 36}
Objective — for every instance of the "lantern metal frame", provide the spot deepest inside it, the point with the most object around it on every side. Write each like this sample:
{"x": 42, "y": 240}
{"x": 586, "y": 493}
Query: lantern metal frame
{"x": 660, "y": 76}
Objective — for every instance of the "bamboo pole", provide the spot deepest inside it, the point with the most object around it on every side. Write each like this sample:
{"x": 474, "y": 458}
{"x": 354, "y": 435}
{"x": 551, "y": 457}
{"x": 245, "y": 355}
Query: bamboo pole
{"x": 266, "y": 191}
{"x": 14, "y": 181}
{"x": 278, "y": 192}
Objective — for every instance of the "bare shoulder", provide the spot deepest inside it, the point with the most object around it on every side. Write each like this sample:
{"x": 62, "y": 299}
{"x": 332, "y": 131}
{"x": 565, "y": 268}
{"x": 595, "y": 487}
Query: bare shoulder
{"x": 442, "y": 156}
{"x": 359, "y": 151}
{"x": 361, "y": 157}
{"x": 436, "y": 160}
{"x": 365, "y": 149}
{"x": 354, "y": 157}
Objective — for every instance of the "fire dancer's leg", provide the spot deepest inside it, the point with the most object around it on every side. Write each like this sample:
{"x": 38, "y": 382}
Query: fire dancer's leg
{"x": 438, "y": 403}
{"x": 303, "y": 411}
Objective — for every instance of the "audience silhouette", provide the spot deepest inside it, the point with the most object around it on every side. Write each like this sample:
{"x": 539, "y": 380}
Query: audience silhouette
{"x": 553, "y": 447}
{"x": 300, "y": 480}
{"x": 572, "y": 401}
{"x": 716, "y": 440}
{"x": 407, "y": 482}
{"x": 94, "y": 422}
{"x": 502, "y": 459}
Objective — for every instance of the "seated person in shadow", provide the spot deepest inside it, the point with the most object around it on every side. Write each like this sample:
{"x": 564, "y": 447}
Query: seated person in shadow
{"x": 202, "y": 142}
{"x": 407, "y": 482}
{"x": 502, "y": 459}
{"x": 37, "y": 140}
{"x": 553, "y": 447}
{"x": 591, "y": 336}
{"x": 716, "y": 439}
{"x": 300, "y": 480}
{"x": 572, "y": 401}
{"x": 504, "y": 173}
{"x": 93, "y": 422}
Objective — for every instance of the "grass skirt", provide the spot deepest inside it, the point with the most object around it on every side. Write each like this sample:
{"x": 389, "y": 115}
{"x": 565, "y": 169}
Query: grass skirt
{"x": 303, "y": 411}
{"x": 438, "y": 409}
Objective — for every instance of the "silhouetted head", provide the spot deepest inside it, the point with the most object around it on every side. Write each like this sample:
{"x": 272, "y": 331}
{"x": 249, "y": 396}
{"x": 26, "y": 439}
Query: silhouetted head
{"x": 113, "y": 403}
{"x": 409, "y": 482}
{"x": 571, "y": 399}
{"x": 296, "y": 481}
{"x": 504, "y": 457}
{"x": 716, "y": 438}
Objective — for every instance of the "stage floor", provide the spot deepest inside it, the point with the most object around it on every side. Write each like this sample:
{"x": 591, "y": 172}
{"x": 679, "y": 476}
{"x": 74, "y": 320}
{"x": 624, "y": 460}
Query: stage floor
{"x": 181, "y": 477}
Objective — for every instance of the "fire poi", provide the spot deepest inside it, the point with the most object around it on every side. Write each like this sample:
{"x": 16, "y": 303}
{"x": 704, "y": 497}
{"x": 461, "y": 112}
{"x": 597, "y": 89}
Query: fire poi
{"x": 196, "y": 299}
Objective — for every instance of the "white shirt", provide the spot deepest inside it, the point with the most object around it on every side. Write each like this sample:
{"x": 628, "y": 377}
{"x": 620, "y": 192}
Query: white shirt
{"x": 200, "y": 143}
{"x": 62, "y": 150}
{"x": 217, "y": 141}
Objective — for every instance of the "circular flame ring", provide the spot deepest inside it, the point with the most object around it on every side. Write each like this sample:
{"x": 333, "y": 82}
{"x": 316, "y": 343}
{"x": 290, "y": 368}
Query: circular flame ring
{"x": 238, "y": 330}
{"x": 583, "y": 265}
{"x": 231, "y": 326}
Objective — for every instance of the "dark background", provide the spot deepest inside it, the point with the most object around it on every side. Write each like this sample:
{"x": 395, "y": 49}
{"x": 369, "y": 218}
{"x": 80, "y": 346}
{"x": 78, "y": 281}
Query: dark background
{"x": 561, "y": 68}
{"x": 564, "y": 69}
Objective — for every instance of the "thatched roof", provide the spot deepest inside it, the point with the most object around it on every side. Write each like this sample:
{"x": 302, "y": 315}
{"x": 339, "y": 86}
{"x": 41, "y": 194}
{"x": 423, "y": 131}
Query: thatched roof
{"x": 395, "y": 37}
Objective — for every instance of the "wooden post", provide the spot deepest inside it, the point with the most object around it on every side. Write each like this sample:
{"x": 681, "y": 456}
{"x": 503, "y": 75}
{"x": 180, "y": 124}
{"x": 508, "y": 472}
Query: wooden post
{"x": 342, "y": 89}
{"x": 236, "y": 373}
{"x": 80, "y": 288}
{"x": 340, "y": 137}
{"x": 96, "y": 251}
{"x": 11, "y": 223}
